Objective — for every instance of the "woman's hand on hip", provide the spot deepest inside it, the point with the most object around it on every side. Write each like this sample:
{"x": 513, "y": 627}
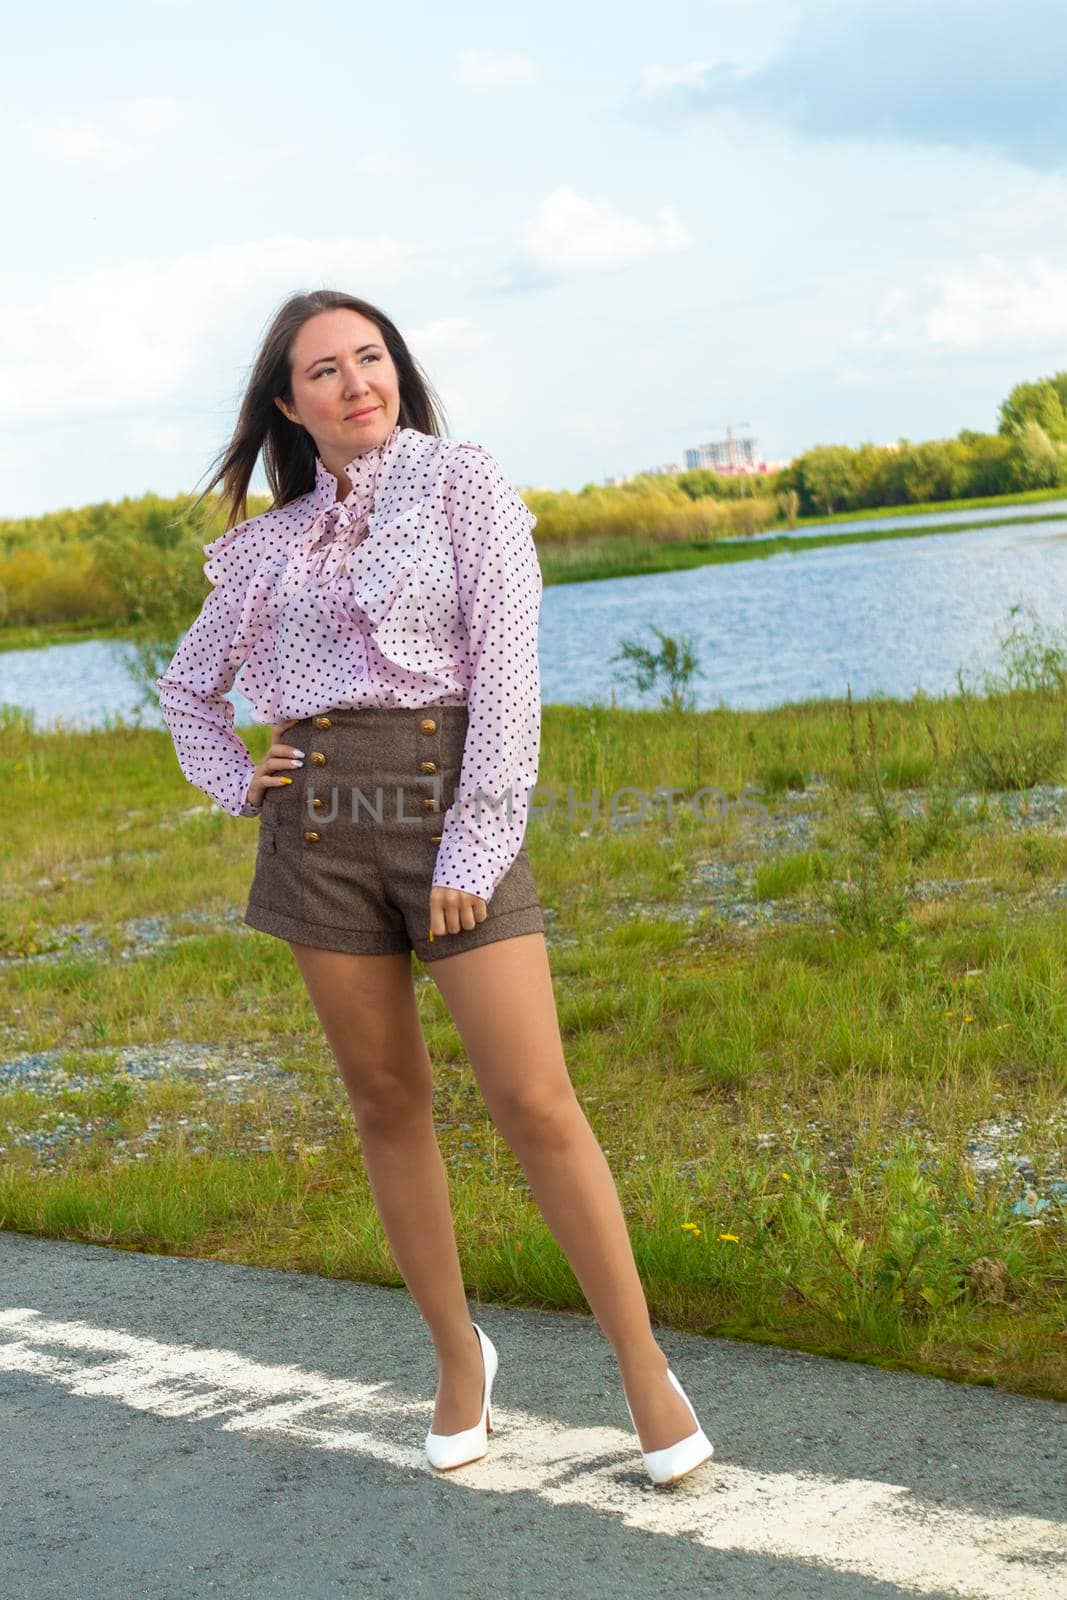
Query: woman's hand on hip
{"x": 452, "y": 910}
{"x": 270, "y": 772}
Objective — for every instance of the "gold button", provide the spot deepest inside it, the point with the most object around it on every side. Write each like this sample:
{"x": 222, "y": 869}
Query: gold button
{"x": 324, "y": 722}
{"x": 312, "y": 837}
{"x": 427, "y": 766}
{"x": 435, "y": 838}
{"x": 318, "y": 804}
{"x": 429, "y": 805}
{"x": 318, "y": 758}
{"x": 428, "y": 725}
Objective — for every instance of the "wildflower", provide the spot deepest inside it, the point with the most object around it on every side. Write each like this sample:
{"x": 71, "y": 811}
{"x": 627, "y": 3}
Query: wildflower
{"x": 731, "y": 1236}
{"x": 968, "y": 1019}
{"x": 691, "y": 1227}
{"x": 786, "y": 1176}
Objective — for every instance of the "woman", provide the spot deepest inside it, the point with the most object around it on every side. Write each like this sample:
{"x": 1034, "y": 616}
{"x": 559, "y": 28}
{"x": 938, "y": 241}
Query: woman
{"x": 384, "y": 615}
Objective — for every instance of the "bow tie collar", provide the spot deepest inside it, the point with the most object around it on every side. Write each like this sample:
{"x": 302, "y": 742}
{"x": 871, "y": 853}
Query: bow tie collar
{"x": 339, "y": 525}
{"x": 332, "y": 534}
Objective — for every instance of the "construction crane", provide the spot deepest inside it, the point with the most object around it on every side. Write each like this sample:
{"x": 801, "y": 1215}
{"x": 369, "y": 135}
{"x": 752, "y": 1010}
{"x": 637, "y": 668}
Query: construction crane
{"x": 731, "y": 453}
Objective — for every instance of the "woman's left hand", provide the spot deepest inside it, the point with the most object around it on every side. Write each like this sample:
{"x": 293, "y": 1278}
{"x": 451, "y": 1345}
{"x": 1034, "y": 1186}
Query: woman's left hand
{"x": 452, "y": 910}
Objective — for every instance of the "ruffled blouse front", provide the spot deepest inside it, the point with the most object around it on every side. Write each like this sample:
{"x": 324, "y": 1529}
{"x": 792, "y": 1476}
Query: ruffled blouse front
{"x": 421, "y": 586}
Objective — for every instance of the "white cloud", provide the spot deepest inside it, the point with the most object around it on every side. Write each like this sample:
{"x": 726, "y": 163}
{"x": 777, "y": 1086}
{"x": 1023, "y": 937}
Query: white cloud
{"x": 893, "y": 301}
{"x": 996, "y": 303}
{"x": 162, "y": 437}
{"x": 1035, "y": 203}
{"x": 602, "y": 430}
{"x": 849, "y": 377}
{"x": 448, "y": 336}
{"x": 123, "y": 140}
{"x": 244, "y": 166}
{"x": 973, "y": 306}
{"x": 659, "y": 80}
{"x": 466, "y": 364}
{"x": 131, "y": 335}
{"x": 749, "y": 32}
{"x": 230, "y": 166}
{"x": 491, "y": 69}
{"x": 570, "y": 234}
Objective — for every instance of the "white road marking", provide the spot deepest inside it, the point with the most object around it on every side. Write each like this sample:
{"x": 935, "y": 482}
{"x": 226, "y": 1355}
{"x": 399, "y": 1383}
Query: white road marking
{"x": 878, "y": 1530}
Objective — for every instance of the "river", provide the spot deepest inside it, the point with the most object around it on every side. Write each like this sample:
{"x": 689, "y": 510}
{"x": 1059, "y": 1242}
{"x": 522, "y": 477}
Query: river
{"x": 887, "y": 617}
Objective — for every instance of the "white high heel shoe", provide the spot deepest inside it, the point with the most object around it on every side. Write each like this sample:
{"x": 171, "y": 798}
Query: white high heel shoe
{"x": 447, "y": 1450}
{"x": 675, "y": 1460}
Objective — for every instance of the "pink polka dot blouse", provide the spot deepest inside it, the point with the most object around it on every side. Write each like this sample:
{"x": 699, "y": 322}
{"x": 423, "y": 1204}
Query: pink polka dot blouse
{"x": 422, "y": 585}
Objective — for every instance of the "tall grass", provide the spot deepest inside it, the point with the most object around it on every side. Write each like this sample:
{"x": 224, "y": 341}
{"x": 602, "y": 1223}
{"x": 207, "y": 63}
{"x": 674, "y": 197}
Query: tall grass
{"x": 789, "y": 1105}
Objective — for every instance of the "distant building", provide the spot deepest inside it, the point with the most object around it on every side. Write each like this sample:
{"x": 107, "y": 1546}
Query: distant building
{"x": 729, "y": 455}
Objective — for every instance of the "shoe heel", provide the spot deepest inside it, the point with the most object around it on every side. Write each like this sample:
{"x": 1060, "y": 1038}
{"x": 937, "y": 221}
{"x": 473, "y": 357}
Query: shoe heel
{"x": 676, "y": 1460}
{"x": 457, "y": 1449}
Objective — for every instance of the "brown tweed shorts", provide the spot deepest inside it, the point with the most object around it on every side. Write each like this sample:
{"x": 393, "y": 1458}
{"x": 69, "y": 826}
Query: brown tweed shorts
{"x": 329, "y": 873}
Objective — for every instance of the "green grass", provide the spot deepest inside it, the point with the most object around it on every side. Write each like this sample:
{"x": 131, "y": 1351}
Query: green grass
{"x": 787, "y": 1108}
{"x": 974, "y": 503}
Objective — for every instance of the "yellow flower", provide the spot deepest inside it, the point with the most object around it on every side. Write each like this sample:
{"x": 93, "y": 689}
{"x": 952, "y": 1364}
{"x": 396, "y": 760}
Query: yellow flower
{"x": 968, "y": 1019}
{"x": 731, "y": 1236}
{"x": 692, "y": 1227}
{"x": 786, "y": 1176}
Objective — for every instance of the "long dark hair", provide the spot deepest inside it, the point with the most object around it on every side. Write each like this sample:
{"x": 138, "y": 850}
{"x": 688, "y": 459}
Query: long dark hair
{"x": 289, "y": 451}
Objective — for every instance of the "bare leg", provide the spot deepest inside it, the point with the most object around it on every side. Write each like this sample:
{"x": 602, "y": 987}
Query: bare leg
{"x": 368, "y": 1010}
{"x": 501, "y": 999}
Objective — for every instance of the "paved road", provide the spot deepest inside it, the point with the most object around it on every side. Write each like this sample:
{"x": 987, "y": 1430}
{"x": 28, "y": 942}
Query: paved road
{"x": 173, "y": 1429}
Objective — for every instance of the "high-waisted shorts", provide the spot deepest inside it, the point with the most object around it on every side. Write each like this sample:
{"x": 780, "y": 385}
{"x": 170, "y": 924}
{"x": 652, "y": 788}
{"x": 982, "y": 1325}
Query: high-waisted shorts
{"x": 329, "y": 873}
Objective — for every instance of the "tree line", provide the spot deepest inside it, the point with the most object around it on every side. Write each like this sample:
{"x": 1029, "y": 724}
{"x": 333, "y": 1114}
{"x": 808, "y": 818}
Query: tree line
{"x": 141, "y": 560}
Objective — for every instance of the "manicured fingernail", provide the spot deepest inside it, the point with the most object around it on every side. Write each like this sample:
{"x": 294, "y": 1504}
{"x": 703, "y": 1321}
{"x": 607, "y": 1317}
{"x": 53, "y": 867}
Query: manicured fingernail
{"x": 287, "y": 780}
{"x": 298, "y": 752}
{"x": 296, "y": 763}
{"x": 431, "y": 935}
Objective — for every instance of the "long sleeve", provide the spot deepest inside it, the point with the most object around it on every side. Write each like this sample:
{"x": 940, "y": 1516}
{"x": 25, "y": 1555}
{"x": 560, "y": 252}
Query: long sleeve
{"x": 500, "y": 588}
{"x": 191, "y": 691}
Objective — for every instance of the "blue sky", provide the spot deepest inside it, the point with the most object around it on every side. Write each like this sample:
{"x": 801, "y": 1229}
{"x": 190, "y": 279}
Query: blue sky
{"x": 605, "y": 233}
